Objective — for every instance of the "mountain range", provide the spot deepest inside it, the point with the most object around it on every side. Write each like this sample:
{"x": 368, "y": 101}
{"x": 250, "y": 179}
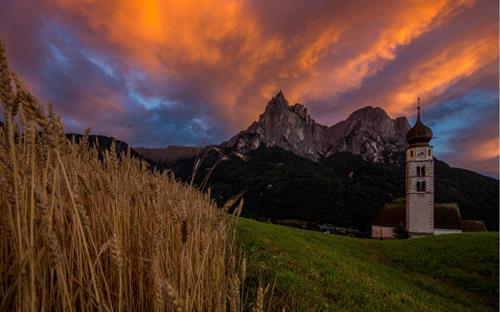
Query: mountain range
{"x": 368, "y": 132}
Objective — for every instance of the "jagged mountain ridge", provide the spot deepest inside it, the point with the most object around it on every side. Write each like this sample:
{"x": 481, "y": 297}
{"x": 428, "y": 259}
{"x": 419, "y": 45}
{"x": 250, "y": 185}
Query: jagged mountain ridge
{"x": 368, "y": 132}
{"x": 284, "y": 126}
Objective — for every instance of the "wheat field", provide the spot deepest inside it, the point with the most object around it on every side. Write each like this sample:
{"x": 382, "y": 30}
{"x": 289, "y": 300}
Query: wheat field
{"x": 90, "y": 232}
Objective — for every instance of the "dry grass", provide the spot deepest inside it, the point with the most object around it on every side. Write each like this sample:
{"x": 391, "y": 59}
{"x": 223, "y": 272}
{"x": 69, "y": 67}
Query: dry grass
{"x": 79, "y": 233}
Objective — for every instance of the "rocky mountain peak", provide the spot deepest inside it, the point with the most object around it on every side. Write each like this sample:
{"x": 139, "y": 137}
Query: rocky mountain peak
{"x": 279, "y": 98}
{"x": 368, "y": 112}
{"x": 376, "y": 119}
{"x": 284, "y": 126}
{"x": 279, "y": 105}
{"x": 369, "y": 132}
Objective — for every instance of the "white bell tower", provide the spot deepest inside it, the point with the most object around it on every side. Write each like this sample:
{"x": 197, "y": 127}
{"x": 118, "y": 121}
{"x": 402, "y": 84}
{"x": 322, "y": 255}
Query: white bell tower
{"x": 419, "y": 180}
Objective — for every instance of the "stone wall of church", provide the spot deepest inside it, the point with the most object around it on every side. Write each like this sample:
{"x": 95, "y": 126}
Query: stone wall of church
{"x": 420, "y": 213}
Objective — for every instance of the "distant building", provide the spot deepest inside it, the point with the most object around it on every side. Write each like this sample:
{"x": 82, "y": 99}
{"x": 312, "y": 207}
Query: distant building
{"x": 418, "y": 214}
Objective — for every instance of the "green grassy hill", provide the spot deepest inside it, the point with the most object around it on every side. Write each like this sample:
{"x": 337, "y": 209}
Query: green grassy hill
{"x": 312, "y": 271}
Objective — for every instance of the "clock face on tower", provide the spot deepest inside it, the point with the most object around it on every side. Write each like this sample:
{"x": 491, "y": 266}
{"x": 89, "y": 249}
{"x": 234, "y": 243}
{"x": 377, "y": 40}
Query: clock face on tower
{"x": 420, "y": 154}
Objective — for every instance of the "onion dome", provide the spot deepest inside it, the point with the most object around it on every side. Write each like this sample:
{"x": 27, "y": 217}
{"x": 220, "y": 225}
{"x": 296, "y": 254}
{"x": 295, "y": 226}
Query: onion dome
{"x": 420, "y": 133}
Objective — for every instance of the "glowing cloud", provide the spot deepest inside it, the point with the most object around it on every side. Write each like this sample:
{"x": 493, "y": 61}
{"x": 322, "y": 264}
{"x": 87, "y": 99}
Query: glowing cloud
{"x": 184, "y": 71}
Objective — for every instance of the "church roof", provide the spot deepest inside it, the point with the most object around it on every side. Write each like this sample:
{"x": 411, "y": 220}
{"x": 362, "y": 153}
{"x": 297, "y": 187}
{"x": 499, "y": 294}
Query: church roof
{"x": 419, "y": 133}
{"x": 446, "y": 216}
{"x": 473, "y": 226}
{"x": 391, "y": 215}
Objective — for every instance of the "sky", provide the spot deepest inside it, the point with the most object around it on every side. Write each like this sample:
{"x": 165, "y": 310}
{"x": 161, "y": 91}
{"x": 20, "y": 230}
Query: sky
{"x": 158, "y": 73}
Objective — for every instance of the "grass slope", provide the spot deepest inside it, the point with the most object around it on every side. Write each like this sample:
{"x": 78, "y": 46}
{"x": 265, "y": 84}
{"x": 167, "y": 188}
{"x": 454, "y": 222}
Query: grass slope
{"x": 312, "y": 271}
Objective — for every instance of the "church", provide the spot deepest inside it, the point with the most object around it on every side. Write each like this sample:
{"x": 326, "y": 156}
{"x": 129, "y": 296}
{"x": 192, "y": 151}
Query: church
{"x": 418, "y": 213}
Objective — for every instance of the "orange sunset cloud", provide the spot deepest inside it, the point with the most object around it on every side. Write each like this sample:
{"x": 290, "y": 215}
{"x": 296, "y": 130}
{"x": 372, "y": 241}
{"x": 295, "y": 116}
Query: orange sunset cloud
{"x": 203, "y": 70}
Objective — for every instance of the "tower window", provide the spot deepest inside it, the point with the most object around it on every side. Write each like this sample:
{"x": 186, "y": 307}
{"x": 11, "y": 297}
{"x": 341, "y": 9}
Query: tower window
{"x": 429, "y": 152}
{"x": 422, "y": 171}
{"x": 418, "y": 171}
{"x": 411, "y": 153}
{"x": 420, "y": 186}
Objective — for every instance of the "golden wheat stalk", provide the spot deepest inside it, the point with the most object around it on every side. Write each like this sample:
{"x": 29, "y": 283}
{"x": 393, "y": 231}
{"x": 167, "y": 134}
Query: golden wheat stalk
{"x": 81, "y": 233}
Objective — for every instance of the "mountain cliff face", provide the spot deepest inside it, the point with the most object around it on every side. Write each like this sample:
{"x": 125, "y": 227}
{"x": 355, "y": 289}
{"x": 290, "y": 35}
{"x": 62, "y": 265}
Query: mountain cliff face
{"x": 284, "y": 126}
{"x": 368, "y": 132}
